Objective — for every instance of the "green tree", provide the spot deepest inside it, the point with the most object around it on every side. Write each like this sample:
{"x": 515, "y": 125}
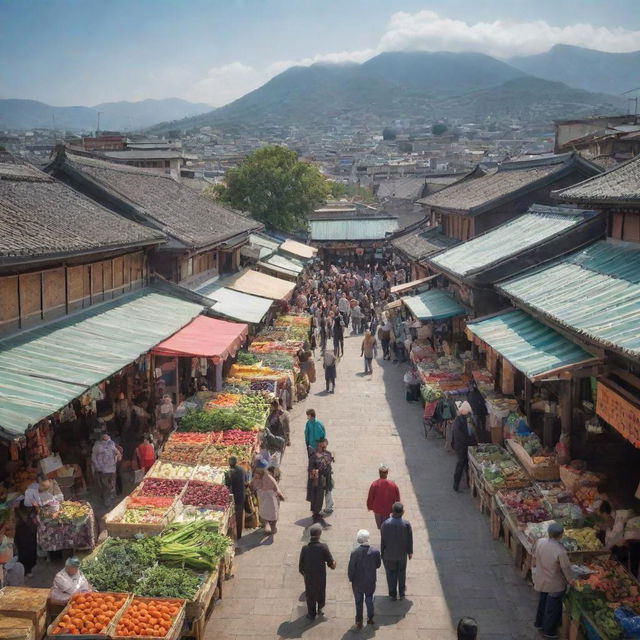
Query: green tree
{"x": 404, "y": 146}
{"x": 338, "y": 190}
{"x": 274, "y": 187}
{"x": 173, "y": 134}
{"x": 438, "y": 129}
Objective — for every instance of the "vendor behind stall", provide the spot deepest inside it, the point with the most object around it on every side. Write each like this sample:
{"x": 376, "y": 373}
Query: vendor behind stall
{"x": 68, "y": 582}
{"x": 42, "y": 492}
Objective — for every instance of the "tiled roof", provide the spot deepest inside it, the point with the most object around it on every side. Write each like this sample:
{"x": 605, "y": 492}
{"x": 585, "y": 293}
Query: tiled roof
{"x": 509, "y": 181}
{"x": 180, "y": 212}
{"x": 423, "y": 242}
{"x": 40, "y": 216}
{"x": 594, "y": 292}
{"x": 539, "y": 224}
{"x": 401, "y": 188}
{"x": 620, "y": 184}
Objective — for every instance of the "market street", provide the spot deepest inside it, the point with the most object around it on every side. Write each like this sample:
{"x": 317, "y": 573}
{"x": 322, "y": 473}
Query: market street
{"x": 457, "y": 568}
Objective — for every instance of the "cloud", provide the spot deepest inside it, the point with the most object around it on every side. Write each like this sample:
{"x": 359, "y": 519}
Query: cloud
{"x": 428, "y": 31}
{"x": 421, "y": 31}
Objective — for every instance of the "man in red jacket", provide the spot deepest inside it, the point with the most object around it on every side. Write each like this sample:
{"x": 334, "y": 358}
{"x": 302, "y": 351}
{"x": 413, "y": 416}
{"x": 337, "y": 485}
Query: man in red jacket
{"x": 382, "y": 494}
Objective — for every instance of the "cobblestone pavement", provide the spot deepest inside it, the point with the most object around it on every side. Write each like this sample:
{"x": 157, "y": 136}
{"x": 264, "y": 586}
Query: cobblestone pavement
{"x": 457, "y": 568}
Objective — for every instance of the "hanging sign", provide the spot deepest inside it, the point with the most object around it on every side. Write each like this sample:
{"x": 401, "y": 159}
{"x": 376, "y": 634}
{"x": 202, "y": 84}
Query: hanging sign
{"x": 619, "y": 413}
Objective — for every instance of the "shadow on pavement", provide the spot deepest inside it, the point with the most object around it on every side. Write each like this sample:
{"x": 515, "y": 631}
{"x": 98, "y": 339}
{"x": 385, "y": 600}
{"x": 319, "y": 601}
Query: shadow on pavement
{"x": 295, "y": 628}
{"x": 387, "y": 613}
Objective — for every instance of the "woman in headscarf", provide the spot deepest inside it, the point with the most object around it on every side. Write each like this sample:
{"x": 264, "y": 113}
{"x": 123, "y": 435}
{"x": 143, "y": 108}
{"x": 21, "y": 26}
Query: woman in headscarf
{"x": 463, "y": 437}
{"x": 269, "y": 497}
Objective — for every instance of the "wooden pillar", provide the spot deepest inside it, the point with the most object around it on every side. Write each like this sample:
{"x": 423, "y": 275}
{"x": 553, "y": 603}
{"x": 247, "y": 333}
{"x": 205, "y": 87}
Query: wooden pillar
{"x": 566, "y": 413}
{"x": 527, "y": 398}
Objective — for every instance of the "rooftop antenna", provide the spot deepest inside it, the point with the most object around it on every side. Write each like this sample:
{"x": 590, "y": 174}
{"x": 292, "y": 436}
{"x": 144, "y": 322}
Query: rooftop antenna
{"x": 634, "y": 98}
{"x": 98, "y": 127}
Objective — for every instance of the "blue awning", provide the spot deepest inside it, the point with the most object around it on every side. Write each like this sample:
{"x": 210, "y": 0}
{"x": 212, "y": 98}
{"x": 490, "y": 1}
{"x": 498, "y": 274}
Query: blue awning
{"x": 530, "y": 346}
{"x": 434, "y": 304}
{"x": 43, "y": 370}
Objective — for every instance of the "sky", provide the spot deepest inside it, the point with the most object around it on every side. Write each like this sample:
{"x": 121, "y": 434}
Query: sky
{"x": 85, "y": 52}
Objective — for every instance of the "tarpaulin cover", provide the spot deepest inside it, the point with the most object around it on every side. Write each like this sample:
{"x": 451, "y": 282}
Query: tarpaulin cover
{"x": 413, "y": 283}
{"x": 260, "y": 284}
{"x": 298, "y": 249}
{"x": 43, "y": 370}
{"x": 530, "y": 346}
{"x": 434, "y": 304}
{"x": 204, "y": 337}
{"x": 235, "y": 304}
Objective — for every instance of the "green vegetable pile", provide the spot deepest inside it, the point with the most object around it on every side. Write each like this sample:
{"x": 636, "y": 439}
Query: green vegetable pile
{"x": 120, "y": 563}
{"x": 168, "y": 582}
{"x": 197, "y": 545}
{"x": 245, "y": 357}
{"x": 250, "y": 412}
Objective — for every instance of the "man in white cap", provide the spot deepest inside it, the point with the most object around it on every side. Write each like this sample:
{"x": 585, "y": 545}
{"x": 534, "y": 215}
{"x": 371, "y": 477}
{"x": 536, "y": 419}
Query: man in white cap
{"x": 463, "y": 437}
{"x": 383, "y": 493}
{"x": 551, "y": 573}
{"x": 68, "y": 582}
{"x": 364, "y": 562}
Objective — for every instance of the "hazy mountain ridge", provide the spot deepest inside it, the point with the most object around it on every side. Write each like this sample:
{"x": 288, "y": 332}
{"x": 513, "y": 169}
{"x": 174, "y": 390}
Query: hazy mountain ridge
{"x": 125, "y": 116}
{"x": 400, "y": 84}
{"x": 587, "y": 69}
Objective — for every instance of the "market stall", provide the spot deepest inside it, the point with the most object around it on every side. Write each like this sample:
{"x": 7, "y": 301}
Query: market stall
{"x": 69, "y": 525}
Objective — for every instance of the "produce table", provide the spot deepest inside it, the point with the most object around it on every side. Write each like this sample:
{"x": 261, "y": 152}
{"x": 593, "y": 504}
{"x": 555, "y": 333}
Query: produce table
{"x": 72, "y": 527}
{"x": 547, "y": 470}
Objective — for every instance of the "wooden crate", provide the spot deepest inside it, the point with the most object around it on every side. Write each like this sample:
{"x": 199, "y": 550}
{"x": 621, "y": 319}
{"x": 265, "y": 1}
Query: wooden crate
{"x": 117, "y": 529}
{"x": 174, "y": 632}
{"x": 28, "y": 603}
{"x": 200, "y": 609}
{"x": 106, "y": 632}
{"x": 16, "y": 628}
{"x": 544, "y": 472}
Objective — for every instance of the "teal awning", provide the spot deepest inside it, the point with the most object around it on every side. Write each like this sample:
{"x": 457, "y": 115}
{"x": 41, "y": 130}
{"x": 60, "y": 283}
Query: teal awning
{"x": 530, "y": 346}
{"x": 43, "y": 370}
{"x": 594, "y": 292}
{"x": 434, "y": 304}
{"x": 235, "y": 304}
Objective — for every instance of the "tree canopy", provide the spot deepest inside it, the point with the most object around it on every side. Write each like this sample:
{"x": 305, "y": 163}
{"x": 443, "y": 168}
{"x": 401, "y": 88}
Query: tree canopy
{"x": 274, "y": 187}
{"x": 438, "y": 129}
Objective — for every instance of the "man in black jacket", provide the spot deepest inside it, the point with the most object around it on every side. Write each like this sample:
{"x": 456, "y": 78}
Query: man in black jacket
{"x": 236, "y": 480}
{"x": 463, "y": 437}
{"x": 315, "y": 557}
{"x": 396, "y": 546}
{"x": 363, "y": 565}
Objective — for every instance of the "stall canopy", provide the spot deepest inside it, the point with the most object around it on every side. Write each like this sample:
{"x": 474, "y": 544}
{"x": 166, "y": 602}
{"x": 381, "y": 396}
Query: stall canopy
{"x": 235, "y": 304}
{"x": 298, "y": 249}
{"x": 594, "y": 292}
{"x": 434, "y": 304}
{"x": 260, "y": 284}
{"x": 410, "y": 285}
{"x": 289, "y": 264}
{"x": 530, "y": 346}
{"x": 43, "y": 370}
{"x": 204, "y": 337}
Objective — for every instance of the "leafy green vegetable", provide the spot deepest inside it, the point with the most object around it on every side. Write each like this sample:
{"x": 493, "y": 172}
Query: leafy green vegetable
{"x": 168, "y": 582}
{"x": 197, "y": 544}
{"x": 245, "y": 357}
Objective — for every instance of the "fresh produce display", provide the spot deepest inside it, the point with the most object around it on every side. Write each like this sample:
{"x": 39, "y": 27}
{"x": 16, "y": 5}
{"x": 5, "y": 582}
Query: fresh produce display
{"x": 190, "y": 513}
{"x": 171, "y": 470}
{"x": 160, "y": 487}
{"x": 581, "y": 540}
{"x": 197, "y": 545}
{"x": 218, "y": 455}
{"x": 430, "y": 392}
{"x": 224, "y": 400}
{"x": 251, "y": 371}
{"x": 208, "y": 473}
{"x": 525, "y": 505}
{"x": 67, "y": 512}
{"x": 89, "y": 613}
{"x": 489, "y": 453}
{"x": 178, "y": 452}
{"x": 244, "y": 357}
{"x": 139, "y": 501}
{"x": 118, "y": 563}
{"x": 205, "y": 494}
{"x": 150, "y": 618}
{"x": 216, "y": 420}
{"x": 144, "y": 515}
{"x": 169, "y": 582}
{"x": 555, "y": 492}
{"x": 586, "y": 495}
{"x": 506, "y": 475}
{"x": 236, "y": 436}
{"x": 189, "y": 438}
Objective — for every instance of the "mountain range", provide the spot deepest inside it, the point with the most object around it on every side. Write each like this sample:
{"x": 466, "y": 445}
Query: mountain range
{"x": 115, "y": 116}
{"x": 564, "y": 82}
{"x": 397, "y": 85}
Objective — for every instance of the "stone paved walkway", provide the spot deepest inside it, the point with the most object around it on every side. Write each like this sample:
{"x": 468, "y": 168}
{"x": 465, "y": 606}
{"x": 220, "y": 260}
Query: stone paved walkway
{"x": 457, "y": 568}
